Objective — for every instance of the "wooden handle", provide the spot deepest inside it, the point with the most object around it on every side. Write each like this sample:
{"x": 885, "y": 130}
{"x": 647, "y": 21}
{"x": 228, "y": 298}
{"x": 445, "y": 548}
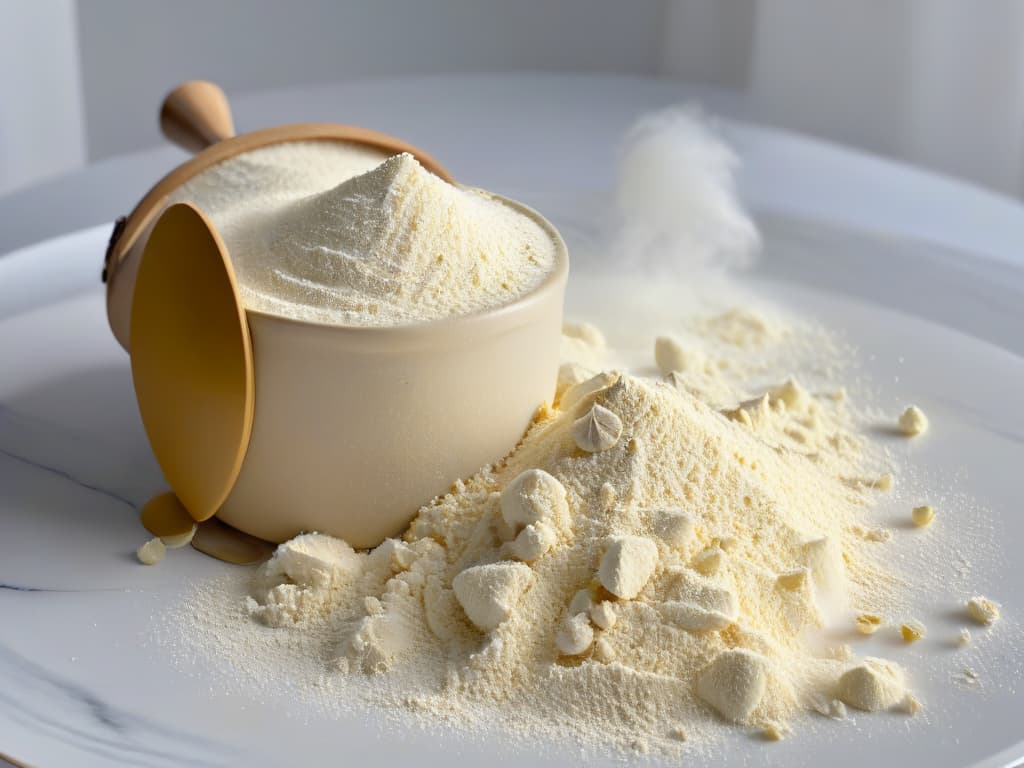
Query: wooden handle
{"x": 196, "y": 115}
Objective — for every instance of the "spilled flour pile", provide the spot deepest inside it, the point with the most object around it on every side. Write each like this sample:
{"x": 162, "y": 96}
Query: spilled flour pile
{"x": 641, "y": 567}
{"x": 637, "y": 555}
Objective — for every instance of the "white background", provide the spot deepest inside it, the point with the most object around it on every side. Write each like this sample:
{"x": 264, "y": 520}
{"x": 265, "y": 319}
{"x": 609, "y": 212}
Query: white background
{"x": 934, "y": 82}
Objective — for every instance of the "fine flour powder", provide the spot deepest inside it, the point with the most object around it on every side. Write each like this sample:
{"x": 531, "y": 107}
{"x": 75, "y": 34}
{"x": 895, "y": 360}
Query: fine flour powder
{"x": 391, "y": 244}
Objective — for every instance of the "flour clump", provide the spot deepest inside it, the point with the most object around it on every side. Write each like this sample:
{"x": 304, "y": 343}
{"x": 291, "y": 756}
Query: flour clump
{"x": 734, "y": 683}
{"x": 872, "y": 685}
{"x": 627, "y": 565}
{"x": 489, "y": 593}
{"x": 298, "y": 582}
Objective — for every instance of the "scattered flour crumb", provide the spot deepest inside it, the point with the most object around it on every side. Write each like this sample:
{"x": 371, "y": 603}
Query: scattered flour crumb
{"x": 912, "y": 631}
{"x": 922, "y": 516}
{"x": 911, "y": 705}
{"x": 868, "y": 623}
{"x": 585, "y": 332}
{"x": 827, "y": 706}
{"x": 775, "y": 731}
{"x": 913, "y": 421}
{"x": 872, "y": 685}
{"x": 152, "y": 552}
{"x": 983, "y": 610}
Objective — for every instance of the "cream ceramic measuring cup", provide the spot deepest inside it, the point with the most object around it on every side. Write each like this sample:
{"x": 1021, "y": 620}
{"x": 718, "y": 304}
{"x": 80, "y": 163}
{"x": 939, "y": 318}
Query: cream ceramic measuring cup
{"x": 345, "y": 430}
{"x": 281, "y": 426}
{"x": 356, "y": 427}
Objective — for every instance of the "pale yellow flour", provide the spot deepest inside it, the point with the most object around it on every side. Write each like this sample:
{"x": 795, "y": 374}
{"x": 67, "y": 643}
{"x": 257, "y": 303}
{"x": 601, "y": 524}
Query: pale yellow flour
{"x": 684, "y": 560}
{"x": 379, "y": 242}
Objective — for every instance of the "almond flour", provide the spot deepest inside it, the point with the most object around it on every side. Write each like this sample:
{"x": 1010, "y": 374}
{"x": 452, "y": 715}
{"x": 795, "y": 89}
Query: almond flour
{"x": 558, "y": 578}
{"x": 390, "y": 244}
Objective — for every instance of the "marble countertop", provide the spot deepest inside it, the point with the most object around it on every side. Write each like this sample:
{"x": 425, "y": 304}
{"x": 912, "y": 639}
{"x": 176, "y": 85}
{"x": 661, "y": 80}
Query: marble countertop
{"x": 85, "y": 681}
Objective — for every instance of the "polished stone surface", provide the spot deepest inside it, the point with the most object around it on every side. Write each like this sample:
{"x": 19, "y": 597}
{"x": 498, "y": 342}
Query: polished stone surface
{"x": 83, "y": 681}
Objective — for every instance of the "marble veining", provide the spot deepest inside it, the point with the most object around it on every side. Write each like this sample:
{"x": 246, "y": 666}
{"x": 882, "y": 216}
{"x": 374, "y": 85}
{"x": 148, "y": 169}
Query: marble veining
{"x": 32, "y": 440}
{"x": 985, "y": 419}
{"x": 29, "y": 589}
{"x": 68, "y": 476}
{"x": 61, "y": 709}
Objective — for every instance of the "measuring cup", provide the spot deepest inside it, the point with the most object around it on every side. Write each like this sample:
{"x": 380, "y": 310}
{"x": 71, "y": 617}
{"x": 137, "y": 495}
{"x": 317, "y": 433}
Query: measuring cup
{"x": 280, "y": 426}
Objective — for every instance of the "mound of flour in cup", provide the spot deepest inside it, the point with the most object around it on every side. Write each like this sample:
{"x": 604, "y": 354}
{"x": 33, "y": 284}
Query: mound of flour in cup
{"x": 390, "y": 244}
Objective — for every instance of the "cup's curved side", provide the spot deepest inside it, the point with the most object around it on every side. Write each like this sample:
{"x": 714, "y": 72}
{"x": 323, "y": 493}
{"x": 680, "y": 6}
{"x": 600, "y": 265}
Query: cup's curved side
{"x": 351, "y": 438}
